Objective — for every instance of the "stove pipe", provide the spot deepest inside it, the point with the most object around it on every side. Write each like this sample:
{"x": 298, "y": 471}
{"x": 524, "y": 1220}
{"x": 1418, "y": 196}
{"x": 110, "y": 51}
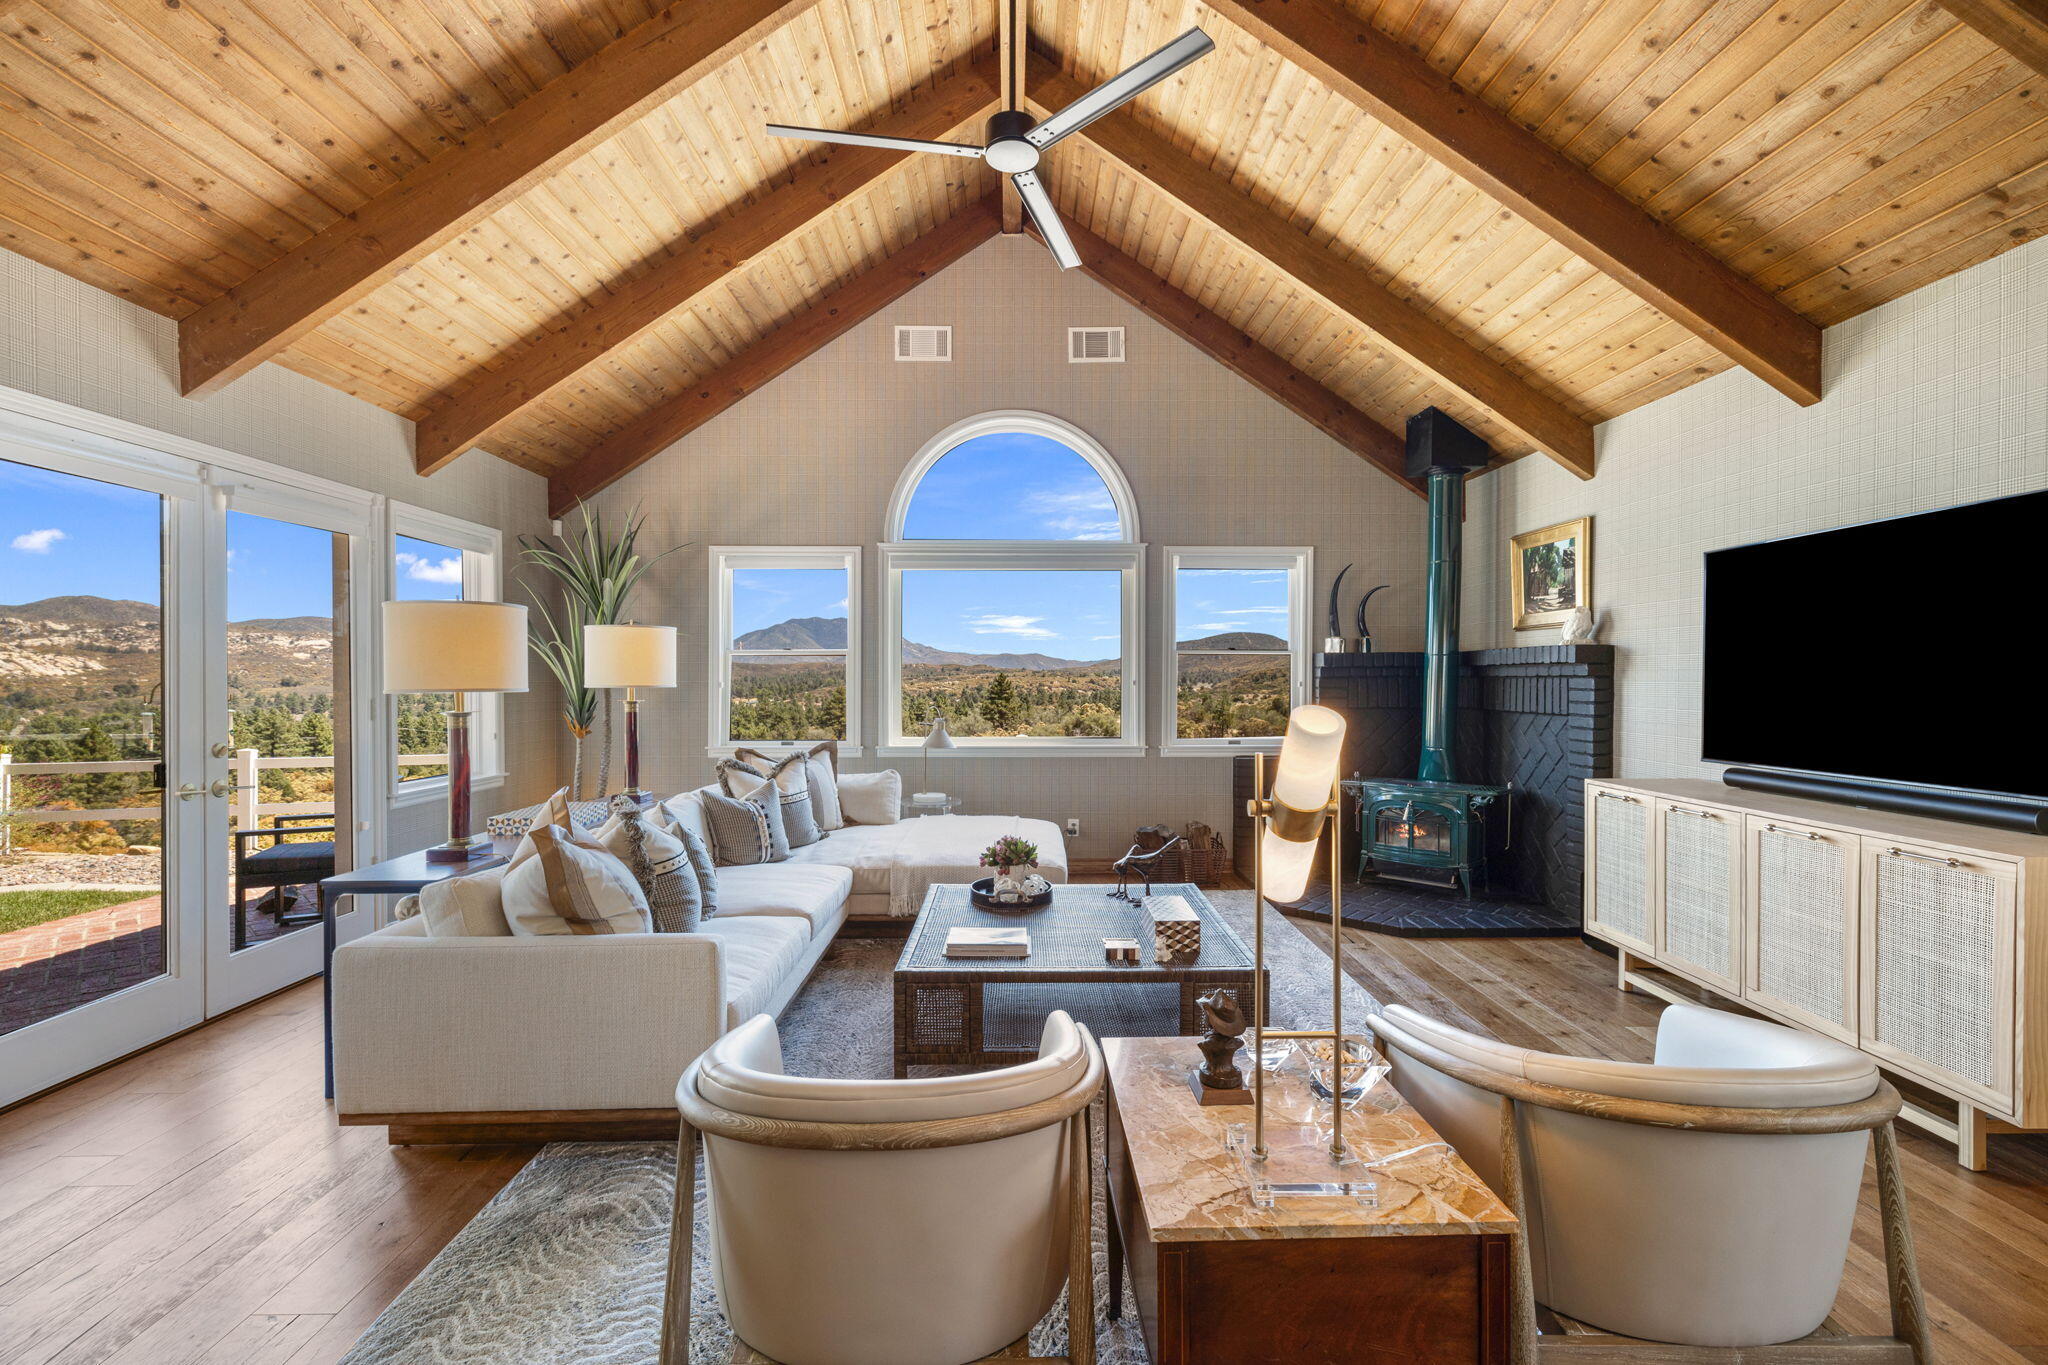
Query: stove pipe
{"x": 1444, "y": 451}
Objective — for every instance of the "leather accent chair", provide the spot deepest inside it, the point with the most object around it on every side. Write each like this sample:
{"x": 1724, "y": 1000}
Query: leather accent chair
{"x": 1704, "y": 1199}
{"x": 888, "y": 1222}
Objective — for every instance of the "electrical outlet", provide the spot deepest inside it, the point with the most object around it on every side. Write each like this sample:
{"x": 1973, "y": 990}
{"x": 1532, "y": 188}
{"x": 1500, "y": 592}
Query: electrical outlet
{"x": 1073, "y": 828}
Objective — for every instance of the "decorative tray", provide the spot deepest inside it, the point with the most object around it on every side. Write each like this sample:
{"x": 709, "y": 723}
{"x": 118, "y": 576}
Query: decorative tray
{"x": 982, "y": 894}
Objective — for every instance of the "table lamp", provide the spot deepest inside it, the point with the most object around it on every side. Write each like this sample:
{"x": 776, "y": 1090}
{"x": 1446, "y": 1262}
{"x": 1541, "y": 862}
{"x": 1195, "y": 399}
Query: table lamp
{"x": 631, "y": 657}
{"x": 459, "y": 648}
{"x": 938, "y": 737}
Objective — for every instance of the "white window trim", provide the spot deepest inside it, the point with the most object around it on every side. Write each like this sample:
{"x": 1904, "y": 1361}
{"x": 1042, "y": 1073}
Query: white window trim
{"x": 1125, "y": 559}
{"x": 1298, "y": 562}
{"x": 1031, "y": 423}
{"x": 483, "y": 564}
{"x": 725, "y": 559}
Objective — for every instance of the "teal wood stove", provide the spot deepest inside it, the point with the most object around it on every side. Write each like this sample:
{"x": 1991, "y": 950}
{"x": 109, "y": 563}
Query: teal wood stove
{"x": 1432, "y": 827}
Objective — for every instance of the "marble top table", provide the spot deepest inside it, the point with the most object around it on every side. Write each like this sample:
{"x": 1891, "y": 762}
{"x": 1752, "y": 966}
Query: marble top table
{"x": 1418, "y": 1271}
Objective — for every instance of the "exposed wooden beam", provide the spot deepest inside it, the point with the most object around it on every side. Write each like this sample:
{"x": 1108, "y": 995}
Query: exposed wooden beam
{"x": 2018, "y": 26}
{"x": 1012, "y": 31}
{"x": 1526, "y": 174}
{"x": 357, "y": 254}
{"x": 1404, "y": 331}
{"x": 1244, "y": 357}
{"x": 826, "y": 320}
{"x": 571, "y": 345}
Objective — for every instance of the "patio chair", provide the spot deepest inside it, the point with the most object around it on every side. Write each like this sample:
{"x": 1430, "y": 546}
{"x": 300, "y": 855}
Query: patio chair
{"x": 278, "y": 867}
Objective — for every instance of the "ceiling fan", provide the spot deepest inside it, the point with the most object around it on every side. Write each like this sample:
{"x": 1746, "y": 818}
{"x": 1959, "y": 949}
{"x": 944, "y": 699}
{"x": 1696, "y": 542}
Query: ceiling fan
{"x": 1015, "y": 142}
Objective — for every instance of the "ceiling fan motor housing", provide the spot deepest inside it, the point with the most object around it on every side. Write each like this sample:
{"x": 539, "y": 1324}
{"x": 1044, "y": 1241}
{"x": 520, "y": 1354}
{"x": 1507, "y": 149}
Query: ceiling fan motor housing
{"x": 1007, "y": 151}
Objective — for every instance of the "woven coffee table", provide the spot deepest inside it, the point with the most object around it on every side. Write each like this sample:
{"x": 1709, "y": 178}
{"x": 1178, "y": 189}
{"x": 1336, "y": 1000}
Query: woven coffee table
{"x": 990, "y": 1011}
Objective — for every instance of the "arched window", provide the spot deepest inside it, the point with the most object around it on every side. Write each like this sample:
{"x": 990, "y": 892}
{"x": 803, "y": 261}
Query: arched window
{"x": 1013, "y": 591}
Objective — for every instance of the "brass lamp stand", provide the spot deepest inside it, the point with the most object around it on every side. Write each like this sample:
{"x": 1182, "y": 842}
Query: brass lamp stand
{"x": 1295, "y": 826}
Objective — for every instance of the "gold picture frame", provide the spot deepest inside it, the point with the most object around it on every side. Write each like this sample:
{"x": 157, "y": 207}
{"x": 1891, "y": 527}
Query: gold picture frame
{"x": 1550, "y": 573}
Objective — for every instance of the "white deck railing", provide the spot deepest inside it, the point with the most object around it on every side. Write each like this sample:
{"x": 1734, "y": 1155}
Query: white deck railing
{"x": 246, "y": 813}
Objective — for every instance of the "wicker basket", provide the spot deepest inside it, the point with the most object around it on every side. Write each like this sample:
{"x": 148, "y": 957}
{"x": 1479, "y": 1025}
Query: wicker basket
{"x": 1203, "y": 857}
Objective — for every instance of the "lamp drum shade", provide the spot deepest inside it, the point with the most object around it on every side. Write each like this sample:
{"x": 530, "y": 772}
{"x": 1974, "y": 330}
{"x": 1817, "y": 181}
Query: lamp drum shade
{"x": 454, "y": 647}
{"x": 629, "y": 656}
{"x": 1310, "y": 756}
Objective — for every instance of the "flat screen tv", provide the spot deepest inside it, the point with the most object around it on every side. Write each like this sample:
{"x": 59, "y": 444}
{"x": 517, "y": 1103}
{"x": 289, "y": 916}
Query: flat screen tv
{"x": 1906, "y": 651}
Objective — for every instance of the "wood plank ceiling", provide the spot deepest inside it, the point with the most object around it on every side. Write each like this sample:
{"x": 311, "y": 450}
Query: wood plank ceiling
{"x": 582, "y": 277}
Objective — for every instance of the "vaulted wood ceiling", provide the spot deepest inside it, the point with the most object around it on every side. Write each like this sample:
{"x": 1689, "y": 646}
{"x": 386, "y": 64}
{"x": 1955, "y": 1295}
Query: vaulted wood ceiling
{"x": 556, "y": 230}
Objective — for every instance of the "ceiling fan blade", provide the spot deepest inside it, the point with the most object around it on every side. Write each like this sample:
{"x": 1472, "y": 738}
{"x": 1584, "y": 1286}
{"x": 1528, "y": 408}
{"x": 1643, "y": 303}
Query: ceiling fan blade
{"x": 1124, "y": 86}
{"x": 1046, "y": 219}
{"x": 900, "y": 144}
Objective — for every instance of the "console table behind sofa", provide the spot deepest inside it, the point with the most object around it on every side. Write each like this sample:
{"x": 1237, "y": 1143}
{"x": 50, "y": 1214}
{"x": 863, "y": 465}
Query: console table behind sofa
{"x": 1923, "y": 942}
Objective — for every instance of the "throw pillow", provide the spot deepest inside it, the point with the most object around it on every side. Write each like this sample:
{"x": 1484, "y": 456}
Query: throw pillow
{"x": 686, "y": 819}
{"x": 554, "y": 811}
{"x": 569, "y": 886}
{"x": 407, "y": 908}
{"x": 872, "y": 798}
{"x": 791, "y": 779}
{"x": 658, "y": 860}
{"x": 466, "y": 907}
{"x": 746, "y": 831}
{"x": 821, "y": 767}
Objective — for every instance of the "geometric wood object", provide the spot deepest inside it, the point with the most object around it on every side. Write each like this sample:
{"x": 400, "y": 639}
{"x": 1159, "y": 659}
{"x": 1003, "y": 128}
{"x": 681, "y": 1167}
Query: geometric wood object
{"x": 1524, "y": 173}
{"x": 358, "y": 253}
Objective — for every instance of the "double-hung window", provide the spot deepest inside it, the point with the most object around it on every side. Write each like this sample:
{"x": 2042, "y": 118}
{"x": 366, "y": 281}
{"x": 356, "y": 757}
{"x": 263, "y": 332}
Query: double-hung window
{"x": 786, "y": 660}
{"x": 439, "y": 558}
{"x": 1237, "y": 660}
{"x": 1013, "y": 586}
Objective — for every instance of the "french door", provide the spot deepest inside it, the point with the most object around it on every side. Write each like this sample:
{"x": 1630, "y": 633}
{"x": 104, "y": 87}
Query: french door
{"x": 178, "y": 709}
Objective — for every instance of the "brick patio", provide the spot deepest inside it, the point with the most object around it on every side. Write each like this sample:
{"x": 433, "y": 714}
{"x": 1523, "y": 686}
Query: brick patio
{"x": 47, "y": 969}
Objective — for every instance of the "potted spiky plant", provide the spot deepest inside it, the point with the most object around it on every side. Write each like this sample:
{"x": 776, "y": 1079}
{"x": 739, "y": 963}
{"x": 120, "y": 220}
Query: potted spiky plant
{"x": 596, "y": 570}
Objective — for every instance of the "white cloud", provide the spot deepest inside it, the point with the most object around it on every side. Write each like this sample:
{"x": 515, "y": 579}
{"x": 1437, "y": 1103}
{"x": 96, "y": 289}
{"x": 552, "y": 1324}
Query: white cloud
{"x": 1105, "y": 637}
{"x": 425, "y": 570}
{"x": 1217, "y": 625}
{"x": 1253, "y": 611}
{"x": 1025, "y": 627}
{"x": 840, "y": 605}
{"x": 38, "y": 542}
{"x": 1075, "y": 513}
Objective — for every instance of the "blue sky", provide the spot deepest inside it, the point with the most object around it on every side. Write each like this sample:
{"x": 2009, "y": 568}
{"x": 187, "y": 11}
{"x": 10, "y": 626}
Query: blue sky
{"x": 1012, "y": 486}
{"x": 1210, "y": 601}
{"x": 61, "y": 535}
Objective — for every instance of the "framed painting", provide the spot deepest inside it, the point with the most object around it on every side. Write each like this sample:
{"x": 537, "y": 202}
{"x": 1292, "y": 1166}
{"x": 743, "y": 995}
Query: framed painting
{"x": 1550, "y": 573}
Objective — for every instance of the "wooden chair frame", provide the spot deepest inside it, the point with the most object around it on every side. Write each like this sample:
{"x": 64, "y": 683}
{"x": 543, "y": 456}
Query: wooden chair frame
{"x": 1909, "y": 1341}
{"x": 1070, "y": 1107}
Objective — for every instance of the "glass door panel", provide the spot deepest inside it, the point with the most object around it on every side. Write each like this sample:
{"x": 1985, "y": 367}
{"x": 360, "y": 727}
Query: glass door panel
{"x": 94, "y": 960}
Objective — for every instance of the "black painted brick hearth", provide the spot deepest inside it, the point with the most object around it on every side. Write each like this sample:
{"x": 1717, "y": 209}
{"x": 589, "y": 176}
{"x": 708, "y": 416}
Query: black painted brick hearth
{"x": 1539, "y": 718}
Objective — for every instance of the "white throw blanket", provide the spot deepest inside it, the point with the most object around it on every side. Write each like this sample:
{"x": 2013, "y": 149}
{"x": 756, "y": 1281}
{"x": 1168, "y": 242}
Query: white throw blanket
{"x": 947, "y": 848}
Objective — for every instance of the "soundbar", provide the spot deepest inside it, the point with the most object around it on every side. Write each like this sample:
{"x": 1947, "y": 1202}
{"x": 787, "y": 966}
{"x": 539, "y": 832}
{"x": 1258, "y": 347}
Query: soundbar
{"x": 2021, "y": 816}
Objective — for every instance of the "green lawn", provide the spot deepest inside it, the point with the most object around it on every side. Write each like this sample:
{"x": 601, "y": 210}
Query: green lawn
{"x": 21, "y": 909}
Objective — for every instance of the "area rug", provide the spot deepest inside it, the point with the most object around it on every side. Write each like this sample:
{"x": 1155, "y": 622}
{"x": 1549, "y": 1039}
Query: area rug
{"x": 566, "y": 1264}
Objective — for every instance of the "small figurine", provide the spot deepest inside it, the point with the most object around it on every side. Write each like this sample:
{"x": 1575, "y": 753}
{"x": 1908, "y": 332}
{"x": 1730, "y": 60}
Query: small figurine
{"x": 1139, "y": 864}
{"x": 1579, "y": 628}
{"x": 1218, "y": 1080}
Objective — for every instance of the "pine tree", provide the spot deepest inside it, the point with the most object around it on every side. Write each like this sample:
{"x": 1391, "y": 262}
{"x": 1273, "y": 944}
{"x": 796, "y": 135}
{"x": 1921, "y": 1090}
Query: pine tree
{"x": 316, "y": 733}
{"x": 1001, "y": 707}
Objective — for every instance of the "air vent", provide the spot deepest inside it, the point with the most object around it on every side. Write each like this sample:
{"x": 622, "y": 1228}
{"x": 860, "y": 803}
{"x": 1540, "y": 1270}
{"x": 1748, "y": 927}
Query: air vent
{"x": 1095, "y": 345}
{"x": 924, "y": 343}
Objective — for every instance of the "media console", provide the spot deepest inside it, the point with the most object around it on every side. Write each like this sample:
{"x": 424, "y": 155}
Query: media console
{"x": 1923, "y": 942}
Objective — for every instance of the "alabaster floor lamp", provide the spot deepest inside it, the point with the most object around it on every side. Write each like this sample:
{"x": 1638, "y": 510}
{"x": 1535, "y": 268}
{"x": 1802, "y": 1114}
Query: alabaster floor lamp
{"x": 631, "y": 657}
{"x": 1290, "y": 820}
{"x": 458, "y": 648}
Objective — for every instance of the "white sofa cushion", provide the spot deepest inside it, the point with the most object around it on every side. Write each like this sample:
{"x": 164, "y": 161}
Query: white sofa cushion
{"x": 811, "y": 893}
{"x": 871, "y": 798}
{"x": 759, "y": 952}
{"x": 567, "y": 886}
{"x": 465, "y": 907}
{"x": 867, "y": 852}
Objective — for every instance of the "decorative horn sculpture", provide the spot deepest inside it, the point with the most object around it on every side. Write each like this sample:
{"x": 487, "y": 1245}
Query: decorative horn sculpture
{"x": 1334, "y": 642}
{"x": 1365, "y": 631}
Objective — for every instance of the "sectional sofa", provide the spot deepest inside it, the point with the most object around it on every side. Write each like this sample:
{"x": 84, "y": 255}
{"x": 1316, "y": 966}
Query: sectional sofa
{"x": 519, "y": 1038}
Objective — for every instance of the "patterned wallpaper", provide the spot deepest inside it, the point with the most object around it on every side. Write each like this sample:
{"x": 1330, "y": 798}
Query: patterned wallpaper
{"x": 813, "y": 459}
{"x": 1934, "y": 399}
{"x": 72, "y": 343}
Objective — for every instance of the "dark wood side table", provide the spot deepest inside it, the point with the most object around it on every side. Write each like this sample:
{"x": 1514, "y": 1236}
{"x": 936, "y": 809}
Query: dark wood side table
{"x": 1420, "y": 1274}
{"x": 400, "y": 876}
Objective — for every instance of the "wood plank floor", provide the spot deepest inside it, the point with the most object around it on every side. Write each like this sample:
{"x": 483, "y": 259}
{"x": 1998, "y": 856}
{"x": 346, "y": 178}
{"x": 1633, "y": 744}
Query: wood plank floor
{"x": 198, "y": 1202}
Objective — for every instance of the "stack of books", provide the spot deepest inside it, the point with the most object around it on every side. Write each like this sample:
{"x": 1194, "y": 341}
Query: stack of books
{"x": 1004, "y": 942}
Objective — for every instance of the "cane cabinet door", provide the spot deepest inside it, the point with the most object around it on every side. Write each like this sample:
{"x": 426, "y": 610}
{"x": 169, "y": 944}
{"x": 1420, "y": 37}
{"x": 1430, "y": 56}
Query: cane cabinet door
{"x": 1699, "y": 893}
{"x": 1938, "y": 954}
{"x": 1802, "y": 919}
{"x": 1619, "y": 876}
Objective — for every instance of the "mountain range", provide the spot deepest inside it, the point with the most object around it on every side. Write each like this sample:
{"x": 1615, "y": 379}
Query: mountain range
{"x": 829, "y": 632}
{"x": 113, "y": 640}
